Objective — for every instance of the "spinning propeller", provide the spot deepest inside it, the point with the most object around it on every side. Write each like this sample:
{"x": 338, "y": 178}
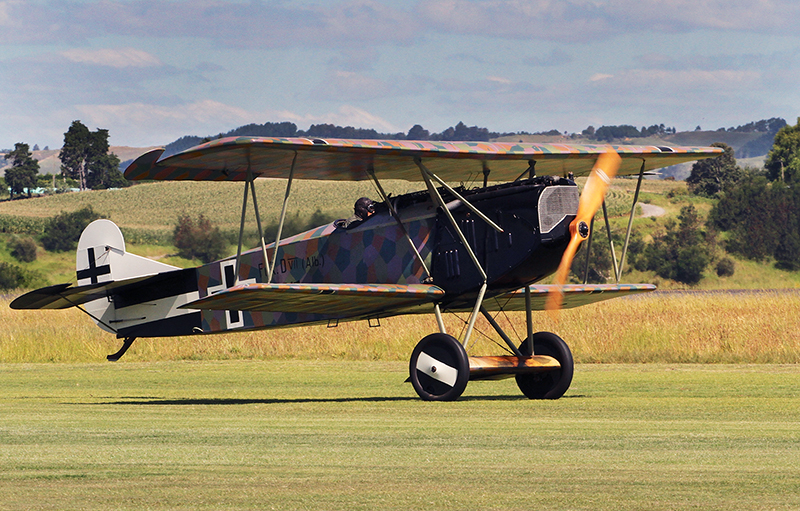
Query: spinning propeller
{"x": 592, "y": 197}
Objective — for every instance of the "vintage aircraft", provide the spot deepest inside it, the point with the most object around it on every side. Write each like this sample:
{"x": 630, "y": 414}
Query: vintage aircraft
{"x": 440, "y": 249}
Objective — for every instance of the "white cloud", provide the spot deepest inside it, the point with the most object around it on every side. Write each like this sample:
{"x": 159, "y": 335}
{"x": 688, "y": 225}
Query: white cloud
{"x": 683, "y": 80}
{"x": 255, "y": 24}
{"x": 500, "y": 80}
{"x": 356, "y": 23}
{"x": 600, "y": 76}
{"x": 140, "y": 124}
{"x": 346, "y": 115}
{"x": 5, "y": 19}
{"x": 118, "y": 58}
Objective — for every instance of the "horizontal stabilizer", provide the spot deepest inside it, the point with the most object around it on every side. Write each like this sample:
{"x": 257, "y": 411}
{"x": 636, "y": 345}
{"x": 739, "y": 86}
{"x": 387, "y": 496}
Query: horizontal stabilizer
{"x": 64, "y": 296}
{"x": 575, "y": 295}
{"x": 340, "y": 300}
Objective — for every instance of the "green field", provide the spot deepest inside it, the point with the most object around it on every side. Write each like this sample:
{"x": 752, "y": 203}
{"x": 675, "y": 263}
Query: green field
{"x": 155, "y": 207}
{"x": 351, "y": 435}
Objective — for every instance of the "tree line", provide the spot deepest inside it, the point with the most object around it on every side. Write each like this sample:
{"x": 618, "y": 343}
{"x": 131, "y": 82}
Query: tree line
{"x": 459, "y": 132}
{"x": 85, "y": 161}
{"x": 758, "y": 209}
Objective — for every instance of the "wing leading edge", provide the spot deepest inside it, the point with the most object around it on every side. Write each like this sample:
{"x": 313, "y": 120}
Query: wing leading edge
{"x": 229, "y": 159}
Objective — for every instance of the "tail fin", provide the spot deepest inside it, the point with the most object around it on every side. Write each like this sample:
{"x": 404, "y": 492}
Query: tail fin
{"x": 101, "y": 256}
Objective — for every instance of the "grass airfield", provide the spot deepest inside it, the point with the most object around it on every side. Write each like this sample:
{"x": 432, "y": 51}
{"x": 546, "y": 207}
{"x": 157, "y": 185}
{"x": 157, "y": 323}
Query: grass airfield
{"x": 328, "y": 434}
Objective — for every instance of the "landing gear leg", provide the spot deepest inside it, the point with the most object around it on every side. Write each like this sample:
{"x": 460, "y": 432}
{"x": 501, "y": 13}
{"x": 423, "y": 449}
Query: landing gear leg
{"x": 125, "y": 345}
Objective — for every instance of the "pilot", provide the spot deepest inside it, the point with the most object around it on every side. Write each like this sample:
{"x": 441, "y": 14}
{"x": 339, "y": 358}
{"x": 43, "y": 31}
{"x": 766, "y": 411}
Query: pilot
{"x": 363, "y": 209}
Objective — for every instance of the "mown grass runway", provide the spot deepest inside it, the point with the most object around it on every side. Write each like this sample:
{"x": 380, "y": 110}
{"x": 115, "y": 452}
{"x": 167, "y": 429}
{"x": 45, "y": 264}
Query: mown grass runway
{"x": 351, "y": 435}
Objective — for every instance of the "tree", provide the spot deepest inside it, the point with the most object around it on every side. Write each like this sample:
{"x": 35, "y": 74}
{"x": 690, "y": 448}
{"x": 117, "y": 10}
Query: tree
{"x": 763, "y": 220}
{"x": 197, "y": 238}
{"x": 105, "y": 173}
{"x": 708, "y": 177}
{"x": 462, "y": 132}
{"x": 609, "y": 133}
{"x": 23, "y": 249}
{"x": 417, "y": 132}
{"x": 680, "y": 253}
{"x": 783, "y": 160}
{"x": 12, "y": 276}
{"x": 24, "y": 170}
{"x": 75, "y": 153}
{"x": 85, "y": 157}
{"x": 63, "y": 231}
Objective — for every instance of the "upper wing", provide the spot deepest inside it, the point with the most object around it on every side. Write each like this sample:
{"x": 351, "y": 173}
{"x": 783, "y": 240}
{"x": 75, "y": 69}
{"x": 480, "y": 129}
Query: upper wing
{"x": 338, "y": 300}
{"x": 575, "y": 295}
{"x": 228, "y": 159}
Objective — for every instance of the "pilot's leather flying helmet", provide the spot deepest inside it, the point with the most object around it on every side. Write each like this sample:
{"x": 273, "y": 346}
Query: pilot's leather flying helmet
{"x": 364, "y": 208}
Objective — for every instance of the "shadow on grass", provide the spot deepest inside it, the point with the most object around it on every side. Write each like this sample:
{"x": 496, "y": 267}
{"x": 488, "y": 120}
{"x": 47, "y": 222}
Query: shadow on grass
{"x": 137, "y": 401}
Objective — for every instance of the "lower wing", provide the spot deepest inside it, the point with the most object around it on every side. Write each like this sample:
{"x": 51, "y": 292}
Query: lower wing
{"x": 343, "y": 300}
{"x": 575, "y": 295}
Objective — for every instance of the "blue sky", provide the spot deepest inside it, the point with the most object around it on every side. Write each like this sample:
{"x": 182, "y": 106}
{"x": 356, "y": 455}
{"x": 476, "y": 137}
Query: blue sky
{"x": 151, "y": 71}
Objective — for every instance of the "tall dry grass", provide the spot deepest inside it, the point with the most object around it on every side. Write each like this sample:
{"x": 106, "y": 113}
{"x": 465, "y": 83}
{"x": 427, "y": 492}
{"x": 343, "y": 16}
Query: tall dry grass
{"x": 756, "y": 327}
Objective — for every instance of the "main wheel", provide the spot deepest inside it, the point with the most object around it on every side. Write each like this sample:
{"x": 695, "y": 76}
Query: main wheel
{"x": 549, "y": 384}
{"x": 439, "y": 368}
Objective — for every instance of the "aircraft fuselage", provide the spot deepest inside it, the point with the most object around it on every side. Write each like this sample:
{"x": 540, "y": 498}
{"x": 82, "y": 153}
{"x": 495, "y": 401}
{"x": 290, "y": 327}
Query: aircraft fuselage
{"x": 534, "y": 215}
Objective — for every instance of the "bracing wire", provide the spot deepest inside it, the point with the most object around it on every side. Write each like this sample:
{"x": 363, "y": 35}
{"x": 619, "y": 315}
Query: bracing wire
{"x": 475, "y": 329}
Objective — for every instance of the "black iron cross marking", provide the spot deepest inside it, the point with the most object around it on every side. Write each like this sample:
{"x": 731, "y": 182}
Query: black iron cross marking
{"x": 93, "y": 271}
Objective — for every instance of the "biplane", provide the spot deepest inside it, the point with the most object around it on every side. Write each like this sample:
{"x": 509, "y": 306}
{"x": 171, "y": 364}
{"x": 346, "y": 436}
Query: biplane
{"x": 442, "y": 249}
